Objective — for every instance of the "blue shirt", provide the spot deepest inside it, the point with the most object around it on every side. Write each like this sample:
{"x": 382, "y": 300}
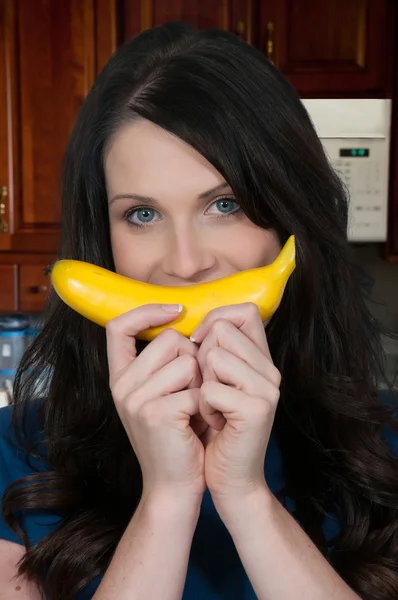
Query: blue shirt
{"x": 215, "y": 571}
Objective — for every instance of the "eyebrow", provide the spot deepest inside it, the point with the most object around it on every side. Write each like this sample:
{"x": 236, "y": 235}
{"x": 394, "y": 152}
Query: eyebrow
{"x": 150, "y": 200}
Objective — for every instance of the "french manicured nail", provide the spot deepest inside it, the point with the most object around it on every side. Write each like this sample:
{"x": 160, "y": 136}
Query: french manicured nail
{"x": 195, "y": 334}
{"x": 172, "y": 308}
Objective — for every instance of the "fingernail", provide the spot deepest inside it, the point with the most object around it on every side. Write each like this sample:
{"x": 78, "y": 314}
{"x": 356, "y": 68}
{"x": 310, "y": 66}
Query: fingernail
{"x": 195, "y": 334}
{"x": 172, "y": 308}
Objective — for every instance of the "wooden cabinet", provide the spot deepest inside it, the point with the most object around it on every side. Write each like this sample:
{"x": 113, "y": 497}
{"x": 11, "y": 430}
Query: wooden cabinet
{"x": 334, "y": 47}
{"x": 4, "y": 134}
{"x": 8, "y": 288}
{"x": 47, "y": 69}
{"x": 331, "y": 48}
{"x": 50, "y": 53}
{"x": 34, "y": 287}
{"x": 24, "y": 287}
{"x": 233, "y": 15}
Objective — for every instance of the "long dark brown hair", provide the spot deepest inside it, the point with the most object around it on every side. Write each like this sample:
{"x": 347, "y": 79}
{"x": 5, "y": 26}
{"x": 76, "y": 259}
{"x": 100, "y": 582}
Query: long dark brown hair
{"x": 228, "y": 102}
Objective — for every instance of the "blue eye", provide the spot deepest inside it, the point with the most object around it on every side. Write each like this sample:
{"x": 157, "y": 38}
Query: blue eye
{"x": 226, "y": 206}
{"x": 144, "y": 216}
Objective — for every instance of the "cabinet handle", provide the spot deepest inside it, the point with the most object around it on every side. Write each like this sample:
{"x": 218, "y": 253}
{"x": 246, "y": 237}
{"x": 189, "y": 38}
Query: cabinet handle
{"x": 270, "y": 41}
{"x": 38, "y": 289}
{"x": 240, "y": 29}
{"x": 3, "y": 222}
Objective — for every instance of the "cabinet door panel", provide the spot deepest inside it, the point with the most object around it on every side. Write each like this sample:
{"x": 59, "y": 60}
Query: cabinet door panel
{"x": 337, "y": 45}
{"x": 8, "y": 288}
{"x": 4, "y": 139}
{"x": 51, "y": 64}
{"x": 34, "y": 287}
{"x": 232, "y": 15}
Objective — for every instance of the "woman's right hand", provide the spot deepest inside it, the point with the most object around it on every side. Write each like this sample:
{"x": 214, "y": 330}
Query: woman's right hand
{"x": 156, "y": 393}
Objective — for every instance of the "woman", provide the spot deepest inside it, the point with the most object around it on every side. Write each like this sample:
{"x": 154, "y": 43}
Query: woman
{"x": 235, "y": 464}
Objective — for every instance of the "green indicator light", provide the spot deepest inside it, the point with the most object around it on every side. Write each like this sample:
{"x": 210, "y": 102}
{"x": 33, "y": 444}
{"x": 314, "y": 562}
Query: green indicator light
{"x": 361, "y": 152}
{"x": 353, "y": 152}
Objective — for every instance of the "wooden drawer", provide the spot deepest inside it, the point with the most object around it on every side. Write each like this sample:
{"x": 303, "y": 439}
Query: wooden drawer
{"x": 34, "y": 287}
{"x": 8, "y": 288}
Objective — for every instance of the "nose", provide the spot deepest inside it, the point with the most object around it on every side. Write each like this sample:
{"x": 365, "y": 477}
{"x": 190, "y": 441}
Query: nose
{"x": 188, "y": 257}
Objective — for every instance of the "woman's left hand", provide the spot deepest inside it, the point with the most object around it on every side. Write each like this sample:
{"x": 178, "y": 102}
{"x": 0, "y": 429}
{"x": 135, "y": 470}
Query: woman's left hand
{"x": 238, "y": 399}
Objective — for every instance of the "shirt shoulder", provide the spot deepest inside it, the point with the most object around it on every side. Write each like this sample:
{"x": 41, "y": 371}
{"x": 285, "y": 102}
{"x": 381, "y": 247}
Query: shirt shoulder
{"x": 15, "y": 465}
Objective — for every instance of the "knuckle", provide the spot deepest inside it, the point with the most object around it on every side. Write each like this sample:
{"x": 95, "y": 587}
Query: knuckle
{"x": 150, "y": 413}
{"x": 252, "y": 309}
{"x": 276, "y": 376}
{"x": 170, "y": 336}
{"x": 273, "y": 395}
{"x": 188, "y": 363}
{"x": 277, "y": 395}
{"x": 130, "y": 407}
{"x": 125, "y": 400}
{"x": 113, "y": 326}
{"x": 207, "y": 389}
{"x": 221, "y": 326}
{"x": 214, "y": 355}
{"x": 262, "y": 411}
{"x": 116, "y": 390}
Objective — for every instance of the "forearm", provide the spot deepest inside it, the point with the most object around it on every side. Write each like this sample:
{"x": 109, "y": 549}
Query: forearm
{"x": 280, "y": 560}
{"x": 152, "y": 557}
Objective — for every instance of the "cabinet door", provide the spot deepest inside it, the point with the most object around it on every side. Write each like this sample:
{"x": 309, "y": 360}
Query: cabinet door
{"x": 34, "y": 287}
{"x": 232, "y": 15}
{"x": 49, "y": 66}
{"x": 8, "y": 288}
{"x": 4, "y": 134}
{"x": 332, "y": 46}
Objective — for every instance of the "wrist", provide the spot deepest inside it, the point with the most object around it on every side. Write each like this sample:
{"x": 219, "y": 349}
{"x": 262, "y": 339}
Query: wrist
{"x": 235, "y": 509}
{"x": 172, "y": 503}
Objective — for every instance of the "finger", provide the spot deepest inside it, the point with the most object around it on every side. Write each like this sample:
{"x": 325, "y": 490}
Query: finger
{"x": 227, "y": 368}
{"x": 166, "y": 347}
{"x": 173, "y": 377}
{"x": 246, "y": 317}
{"x": 121, "y": 332}
{"x": 198, "y": 424}
{"x": 179, "y": 408}
{"x": 219, "y": 403}
{"x": 183, "y": 405}
{"x": 225, "y": 335}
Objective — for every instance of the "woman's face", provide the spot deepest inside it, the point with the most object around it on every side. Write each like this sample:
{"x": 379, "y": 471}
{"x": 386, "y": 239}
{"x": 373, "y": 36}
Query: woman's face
{"x": 173, "y": 218}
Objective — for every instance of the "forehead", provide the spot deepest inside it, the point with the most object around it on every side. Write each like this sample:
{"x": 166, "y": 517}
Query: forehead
{"x": 143, "y": 155}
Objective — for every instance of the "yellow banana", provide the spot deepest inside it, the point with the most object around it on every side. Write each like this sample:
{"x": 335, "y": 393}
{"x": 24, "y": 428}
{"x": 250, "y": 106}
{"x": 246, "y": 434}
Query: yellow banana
{"x": 101, "y": 295}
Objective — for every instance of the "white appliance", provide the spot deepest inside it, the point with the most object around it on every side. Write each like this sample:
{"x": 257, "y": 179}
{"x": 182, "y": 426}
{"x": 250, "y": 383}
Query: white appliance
{"x": 356, "y": 136}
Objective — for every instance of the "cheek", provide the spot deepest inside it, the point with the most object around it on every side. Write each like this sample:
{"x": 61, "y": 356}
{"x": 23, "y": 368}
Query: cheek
{"x": 130, "y": 254}
{"x": 118, "y": 244}
{"x": 250, "y": 246}
{"x": 267, "y": 245}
